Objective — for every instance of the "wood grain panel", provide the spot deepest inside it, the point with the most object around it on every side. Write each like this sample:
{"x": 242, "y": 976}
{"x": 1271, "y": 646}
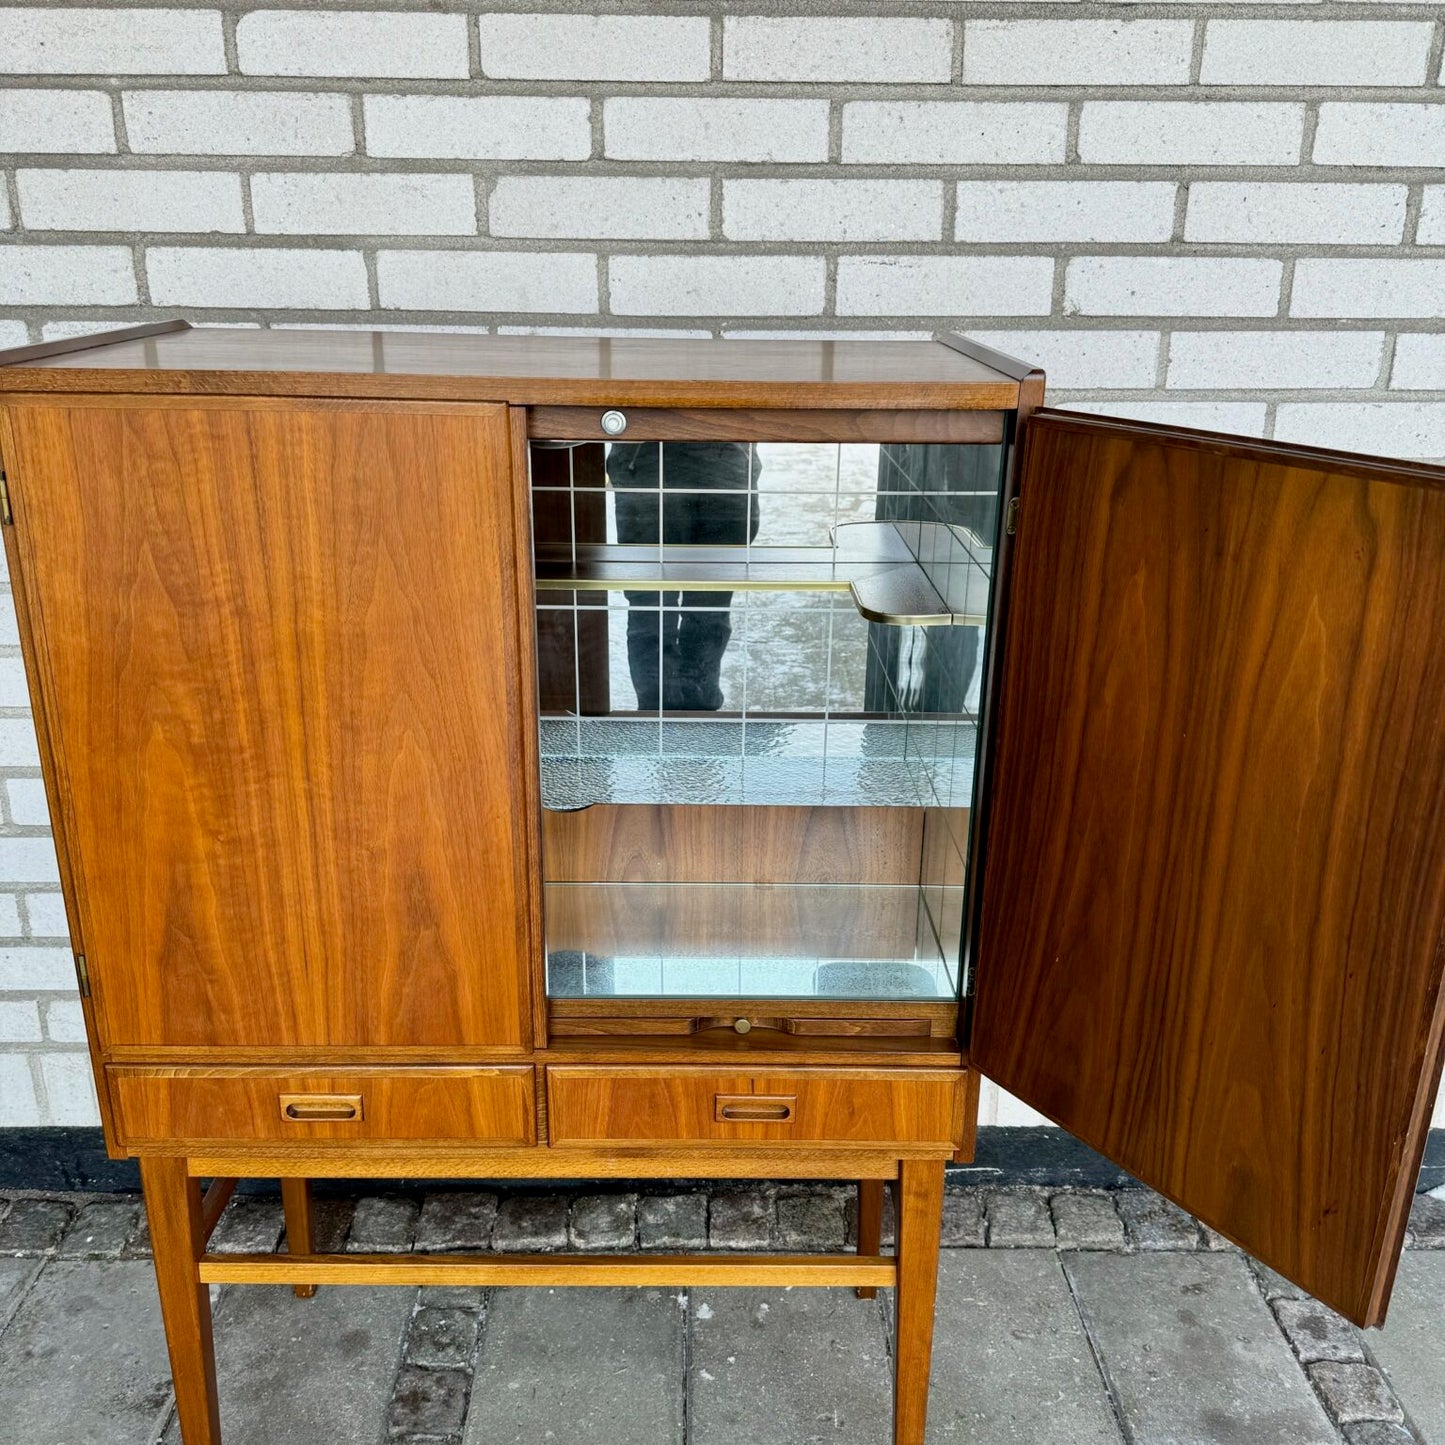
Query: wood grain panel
{"x": 759, "y": 424}
{"x": 1214, "y": 901}
{"x": 276, "y": 651}
{"x": 703, "y": 843}
{"x": 533, "y": 370}
{"x": 834, "y": 1106}
{"x": 208, "y": 1106}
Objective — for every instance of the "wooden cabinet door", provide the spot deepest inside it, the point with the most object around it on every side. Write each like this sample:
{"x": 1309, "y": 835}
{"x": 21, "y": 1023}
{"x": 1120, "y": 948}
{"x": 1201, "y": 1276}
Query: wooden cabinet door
{"x": 275, "y": 651}
{"x": 1213, "y": 914}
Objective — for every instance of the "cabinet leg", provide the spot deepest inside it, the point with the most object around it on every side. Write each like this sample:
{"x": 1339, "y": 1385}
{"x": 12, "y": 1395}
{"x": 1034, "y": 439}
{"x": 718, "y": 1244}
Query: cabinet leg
{"x": 296, "y": 1203}
{"x": 919, "y": 1217}
{"x": 870, "y": 1225}
{"x": 173, "y": 1207}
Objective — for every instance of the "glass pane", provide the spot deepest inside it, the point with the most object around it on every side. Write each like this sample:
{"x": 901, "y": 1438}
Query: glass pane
{"x": 785, "y": 625}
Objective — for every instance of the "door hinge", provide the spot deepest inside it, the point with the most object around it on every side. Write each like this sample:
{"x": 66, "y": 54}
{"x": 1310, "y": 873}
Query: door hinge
{"x": 82, "y": 974}
{"x": 7, "y": 517}
{"x": 1011, "y": 517}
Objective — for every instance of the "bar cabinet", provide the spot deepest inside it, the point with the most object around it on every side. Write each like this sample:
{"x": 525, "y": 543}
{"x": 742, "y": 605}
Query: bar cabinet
{"x": 545, "y": 757}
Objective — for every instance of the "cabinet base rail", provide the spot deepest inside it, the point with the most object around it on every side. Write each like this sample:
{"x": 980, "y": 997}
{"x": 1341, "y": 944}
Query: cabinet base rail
{"x": 552, "y": 1270}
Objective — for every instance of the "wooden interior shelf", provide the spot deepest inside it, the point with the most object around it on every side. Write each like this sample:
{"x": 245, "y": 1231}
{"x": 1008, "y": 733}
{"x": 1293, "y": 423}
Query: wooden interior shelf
{"x": 915, "y": 574}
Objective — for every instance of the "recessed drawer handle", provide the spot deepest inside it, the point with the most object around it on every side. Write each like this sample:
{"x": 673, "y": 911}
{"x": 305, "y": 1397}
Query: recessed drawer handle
{"x": 754, "y": 1108}
{"x": 321, "y": 1108}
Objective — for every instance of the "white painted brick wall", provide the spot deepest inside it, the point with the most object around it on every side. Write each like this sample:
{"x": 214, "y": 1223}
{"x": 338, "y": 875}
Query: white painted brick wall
{"x": 693, "y": 128}
{"x": 86, "y": 200}
{"x": 595, "y": 47}
{"x": 829, "y": 210}
{"x": 1191, "y": 132}
{"x": 44, "y": 40}
{"x": 1211, "y": 213}
{"x": 301, "y": 204}
{"x": 953, "y": 132}
{"x": 60, "y": 122}
{"x": 876, "y": 49}
{"x": 404, "y": 45}
{"x": 1131, "y": 211}
{"x": 487, "y": 281}
{"x": 1316, "y": 52}
{"x": 237, "y": 123}
{"x": 1077, "y": 52}
{"x": 658, "y": 207}
{"x": 484, "y": 128}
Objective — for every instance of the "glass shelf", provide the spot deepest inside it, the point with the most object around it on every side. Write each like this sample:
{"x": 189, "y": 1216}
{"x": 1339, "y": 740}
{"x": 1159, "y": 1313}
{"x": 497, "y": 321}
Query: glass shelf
{"x": 747, "y": 760}
{"x": 919, "y": 574}
{"x": 728, "y": 940}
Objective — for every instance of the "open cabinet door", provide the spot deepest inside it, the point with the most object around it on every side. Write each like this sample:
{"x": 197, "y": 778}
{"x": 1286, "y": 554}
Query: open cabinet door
{"x": 1213, "y": 914}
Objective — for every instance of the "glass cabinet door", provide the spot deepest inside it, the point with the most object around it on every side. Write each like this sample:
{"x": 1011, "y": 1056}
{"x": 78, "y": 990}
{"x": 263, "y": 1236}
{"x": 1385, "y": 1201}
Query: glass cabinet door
{"x": 760, "y": 670}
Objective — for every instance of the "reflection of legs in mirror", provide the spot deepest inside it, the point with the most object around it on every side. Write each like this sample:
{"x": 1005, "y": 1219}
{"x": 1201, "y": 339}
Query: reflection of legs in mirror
{"x": 704, "y": 626}
{"x": 651, "y": 645}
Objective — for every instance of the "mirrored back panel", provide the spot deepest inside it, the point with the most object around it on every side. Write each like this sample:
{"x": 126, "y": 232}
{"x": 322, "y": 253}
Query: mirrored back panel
{"x": 761, "y": 626}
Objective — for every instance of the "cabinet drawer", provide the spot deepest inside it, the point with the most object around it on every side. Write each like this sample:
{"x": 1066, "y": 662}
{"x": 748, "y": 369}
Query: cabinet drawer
{"x": 238, "y": 1104}
{"x": 636, "y": 1105}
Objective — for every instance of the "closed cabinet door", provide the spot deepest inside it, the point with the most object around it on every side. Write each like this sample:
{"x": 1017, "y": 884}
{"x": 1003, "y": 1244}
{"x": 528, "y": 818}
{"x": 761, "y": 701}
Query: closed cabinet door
{"x": 274, "y": 651}
{"x": 1213, "y": 915}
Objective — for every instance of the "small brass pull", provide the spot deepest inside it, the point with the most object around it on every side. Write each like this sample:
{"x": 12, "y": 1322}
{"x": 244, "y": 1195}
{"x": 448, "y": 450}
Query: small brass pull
{"x": 754, "y": 1108}
{"x": 321, "y": 1108}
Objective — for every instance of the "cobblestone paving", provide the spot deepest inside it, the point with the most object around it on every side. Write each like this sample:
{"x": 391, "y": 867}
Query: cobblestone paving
{"x": 1064, "y": 1316}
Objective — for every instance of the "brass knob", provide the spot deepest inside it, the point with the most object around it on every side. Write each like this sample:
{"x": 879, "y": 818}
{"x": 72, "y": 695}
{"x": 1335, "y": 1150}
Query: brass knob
{"x": 743, "y": 1026}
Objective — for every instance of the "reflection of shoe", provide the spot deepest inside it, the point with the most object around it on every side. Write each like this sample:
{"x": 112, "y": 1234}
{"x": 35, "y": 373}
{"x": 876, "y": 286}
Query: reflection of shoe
{"x": 685, "y": 695}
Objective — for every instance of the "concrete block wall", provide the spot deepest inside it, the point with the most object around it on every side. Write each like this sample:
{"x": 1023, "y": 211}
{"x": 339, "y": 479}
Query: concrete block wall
{"x": 1221, "y": 214}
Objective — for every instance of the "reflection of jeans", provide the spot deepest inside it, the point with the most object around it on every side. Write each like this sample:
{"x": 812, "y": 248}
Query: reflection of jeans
{"x": 676, "y": 640}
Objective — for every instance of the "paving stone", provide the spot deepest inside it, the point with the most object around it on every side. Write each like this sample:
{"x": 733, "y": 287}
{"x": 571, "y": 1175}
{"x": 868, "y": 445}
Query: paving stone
{"x": 1215, "y": 1241}
{"x": 454, "y": 1296}
{"x": 1192, "y": 1351}
{"x": 787, "y": 1367}
{"x": 330, "y": 1224}
{"x": 442, "y": 1337}
{"x": 740, "y": 1219}
{"x": 83, "y": 1361}
{"x": 1427, "y": 1222}
{"x": 1275, "y": 1286}
{"x": 603, "y": 1221}
{"x": 306, "y": 1370}
{"x": 382, "y": 1224}
{"x": 249, "y": 1226}
{"x": 15, "y": 1276}
{"x": 101, "y": 1229}
{"x": 457, "y": 1222}
{"x": 580, "y": 1365}
{"x": 672, "y": 1221}
{"x": 33, "y": 1226}
{"x": 139, "y": 1243}
{"x": 1378, "y": 1432}
{"x": 811, "y": 1223}
{"x": 1011, "y": 1362}
{"x": 1154, "y": 1223}
{"x": 531, "y": 1223}
{"x": 963, "y": 1221}
{"x": 1355, "y": 1392}
{"x": 1018, "y": 1219}
{"x": 1087, "y": 1221}
{"x": 1317, "y": 1332}
{"x": 428, "y": 1403}
{"x": 1411, "y": 1346}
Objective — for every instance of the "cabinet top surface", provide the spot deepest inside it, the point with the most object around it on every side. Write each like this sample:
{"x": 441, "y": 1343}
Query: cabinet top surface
{"x": 524, "y": 370}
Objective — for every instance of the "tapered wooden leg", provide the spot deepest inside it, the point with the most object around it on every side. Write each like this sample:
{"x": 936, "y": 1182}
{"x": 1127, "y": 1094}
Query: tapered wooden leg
{"x": 870, "y": 1225}
{"x": 296, "y": 1202}
{"x": 173, "y": 1207}
{"x": 919, "y": 1214}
